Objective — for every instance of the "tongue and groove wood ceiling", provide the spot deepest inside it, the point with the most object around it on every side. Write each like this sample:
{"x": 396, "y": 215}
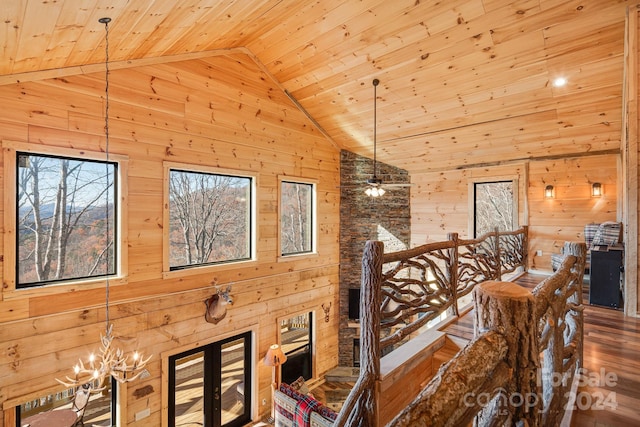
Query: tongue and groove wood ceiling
{"x": 463, "y": 82}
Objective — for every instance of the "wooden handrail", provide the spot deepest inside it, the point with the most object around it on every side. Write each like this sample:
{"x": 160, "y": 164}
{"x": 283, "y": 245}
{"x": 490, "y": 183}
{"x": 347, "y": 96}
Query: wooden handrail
{"x": 546, "y": 321}
{"x": 423, "y": 282}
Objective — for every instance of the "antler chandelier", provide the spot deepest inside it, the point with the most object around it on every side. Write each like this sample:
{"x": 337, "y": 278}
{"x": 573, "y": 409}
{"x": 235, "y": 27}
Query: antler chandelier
{"x": 109, "y": 361}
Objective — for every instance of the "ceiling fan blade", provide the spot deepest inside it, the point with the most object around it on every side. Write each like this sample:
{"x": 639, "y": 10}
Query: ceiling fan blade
{"x": 360, "y": 185}
{"x": 384, "y": 184}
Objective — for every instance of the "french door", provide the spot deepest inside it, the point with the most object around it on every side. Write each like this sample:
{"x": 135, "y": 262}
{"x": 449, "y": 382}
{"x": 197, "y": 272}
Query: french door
{"x": 210, "y": 386}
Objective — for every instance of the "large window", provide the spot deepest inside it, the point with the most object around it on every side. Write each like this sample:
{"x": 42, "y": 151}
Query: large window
{"x": 98, "y": 410}
{"x": 495, "y": 206}
{"x": 66, "y": 216}
{"x": 296, "y": 217}
{"x": 210, "y": 218}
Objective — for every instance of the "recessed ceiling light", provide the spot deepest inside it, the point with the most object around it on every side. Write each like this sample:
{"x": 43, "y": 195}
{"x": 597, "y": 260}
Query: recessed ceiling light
{"x": 559, "y": 82}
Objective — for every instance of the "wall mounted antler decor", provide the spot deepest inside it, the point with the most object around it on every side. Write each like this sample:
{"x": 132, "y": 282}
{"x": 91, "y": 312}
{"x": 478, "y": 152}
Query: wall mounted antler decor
{"x": 326, "y": 310}
{"x": 217, "y": 305}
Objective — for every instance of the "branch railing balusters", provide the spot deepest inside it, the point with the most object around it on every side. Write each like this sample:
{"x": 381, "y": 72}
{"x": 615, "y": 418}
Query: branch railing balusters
{"x": 452, "y": 269}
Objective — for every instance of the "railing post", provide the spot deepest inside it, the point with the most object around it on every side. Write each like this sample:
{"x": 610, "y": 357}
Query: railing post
{"x": 498, "y": 256}
{"x": 452, "y": 271}
{"x": 525, "y": 248}
{"x": 579, "y": 250}
{"x": 510, "y": 309}
{"x": 561, "y": 305}
{"x": 361, "y": 406}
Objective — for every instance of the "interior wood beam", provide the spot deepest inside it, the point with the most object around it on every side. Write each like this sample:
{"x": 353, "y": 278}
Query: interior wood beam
{"x": 521, "y": 160}
{"x": 115, "y": 65}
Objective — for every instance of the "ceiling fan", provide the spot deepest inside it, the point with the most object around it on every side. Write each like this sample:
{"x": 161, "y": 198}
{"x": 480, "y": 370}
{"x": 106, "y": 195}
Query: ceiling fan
{"x": 375, "y": 185}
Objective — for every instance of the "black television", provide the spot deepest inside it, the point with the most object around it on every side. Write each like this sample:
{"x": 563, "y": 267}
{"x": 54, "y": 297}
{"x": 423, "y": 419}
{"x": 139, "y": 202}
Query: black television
{"x": 354, "y": 303}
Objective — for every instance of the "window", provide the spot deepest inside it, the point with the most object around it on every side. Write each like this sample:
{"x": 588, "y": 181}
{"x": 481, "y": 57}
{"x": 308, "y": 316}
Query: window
{"x": 495, "y": 206}
{"x": 210, "y": 218}
{"x": 296, "y": 217}
{"x": 100, "y": 409}
{"x": 66, "y": 216}
{"x": 296, "y": 340}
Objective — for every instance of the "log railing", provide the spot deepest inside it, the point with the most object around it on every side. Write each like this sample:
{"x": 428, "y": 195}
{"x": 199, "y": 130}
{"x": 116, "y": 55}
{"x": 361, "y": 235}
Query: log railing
{"x": 520, "y": 367}
{"x": 517, "y": 332}
{"x": 416, "y": 287}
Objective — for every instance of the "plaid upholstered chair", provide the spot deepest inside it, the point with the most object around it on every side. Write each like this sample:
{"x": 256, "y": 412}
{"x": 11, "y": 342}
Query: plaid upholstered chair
{"x": 608, "y": 233}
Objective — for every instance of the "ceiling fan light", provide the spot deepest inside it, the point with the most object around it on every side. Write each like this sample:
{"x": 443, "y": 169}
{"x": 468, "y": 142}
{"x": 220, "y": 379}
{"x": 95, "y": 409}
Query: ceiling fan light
{"x": 374, "y": 191}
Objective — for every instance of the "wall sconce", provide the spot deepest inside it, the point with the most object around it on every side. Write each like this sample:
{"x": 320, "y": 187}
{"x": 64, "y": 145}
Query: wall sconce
{"x": 596, "y": 189}
{"x": 549, "y": 192}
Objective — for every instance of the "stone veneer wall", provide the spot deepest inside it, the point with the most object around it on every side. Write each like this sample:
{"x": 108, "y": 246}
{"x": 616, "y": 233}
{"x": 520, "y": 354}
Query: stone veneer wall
{"x": 363, "y": 218}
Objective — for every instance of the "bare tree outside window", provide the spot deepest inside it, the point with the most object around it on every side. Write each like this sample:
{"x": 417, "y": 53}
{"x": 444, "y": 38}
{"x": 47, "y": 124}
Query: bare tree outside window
{"x": 62, "y": 219}
{"x": 210, "y": 218}
{"x": 296, "y": 218}
{"x": 494, "y": 207}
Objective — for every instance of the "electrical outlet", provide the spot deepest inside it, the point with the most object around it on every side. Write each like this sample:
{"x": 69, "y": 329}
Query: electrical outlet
{"x": 264, "y": 402}
{"x": 143, "y": 414}
{"x": 539, "y": 252}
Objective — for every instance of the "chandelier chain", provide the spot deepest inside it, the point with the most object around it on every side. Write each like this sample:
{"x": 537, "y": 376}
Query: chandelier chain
{"x": 110, "y": 361}
{"x": 106, "y": 149}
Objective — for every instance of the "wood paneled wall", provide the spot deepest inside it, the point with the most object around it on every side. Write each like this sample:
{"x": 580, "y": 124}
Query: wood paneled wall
{"x": 630, "y": 156}
{"x": 441, "y": 202}
{"x": 222, "y": 111}
{"x": 554, "y": 221}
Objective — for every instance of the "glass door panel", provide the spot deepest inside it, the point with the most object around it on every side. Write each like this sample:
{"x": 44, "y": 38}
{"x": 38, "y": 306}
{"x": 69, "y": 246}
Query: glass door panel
{"x": 189, "y": 390}
{"x": 233, "y": 380}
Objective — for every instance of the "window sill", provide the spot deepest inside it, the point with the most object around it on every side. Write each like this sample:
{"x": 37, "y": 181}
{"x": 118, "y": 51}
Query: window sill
{"x": 206, "y": 269}
{"x": 59, "y": 288}
{"x": 297, "y": 257}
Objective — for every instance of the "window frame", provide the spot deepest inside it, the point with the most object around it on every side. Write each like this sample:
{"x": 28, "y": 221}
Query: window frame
{"x": 114, "y": 399}
{"x": 10, "y": 150}
{"x": 314, "y": 217}
{"x": 313, "y": 316}
{"x": 472, "y": 200}
{"x": 167, "y": 270}
{"x": 311, "y": 343}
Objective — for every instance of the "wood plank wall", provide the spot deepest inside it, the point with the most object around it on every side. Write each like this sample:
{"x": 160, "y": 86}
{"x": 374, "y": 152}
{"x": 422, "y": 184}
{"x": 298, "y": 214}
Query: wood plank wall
{"x": 630, "y": 159}
{"x": 440, "y": 202}
{"x": 222, "y": 111}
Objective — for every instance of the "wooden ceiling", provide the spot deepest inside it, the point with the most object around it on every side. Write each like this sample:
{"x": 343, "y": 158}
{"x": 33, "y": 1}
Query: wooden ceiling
{"x": 463, "y": 82}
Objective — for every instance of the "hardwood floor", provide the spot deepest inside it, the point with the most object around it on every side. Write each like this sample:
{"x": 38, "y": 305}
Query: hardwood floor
{"x": 611, "y": 363}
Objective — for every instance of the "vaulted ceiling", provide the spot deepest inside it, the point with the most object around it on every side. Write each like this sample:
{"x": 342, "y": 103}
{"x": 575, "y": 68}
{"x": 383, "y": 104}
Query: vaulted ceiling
{"x": 463, "y": 82}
